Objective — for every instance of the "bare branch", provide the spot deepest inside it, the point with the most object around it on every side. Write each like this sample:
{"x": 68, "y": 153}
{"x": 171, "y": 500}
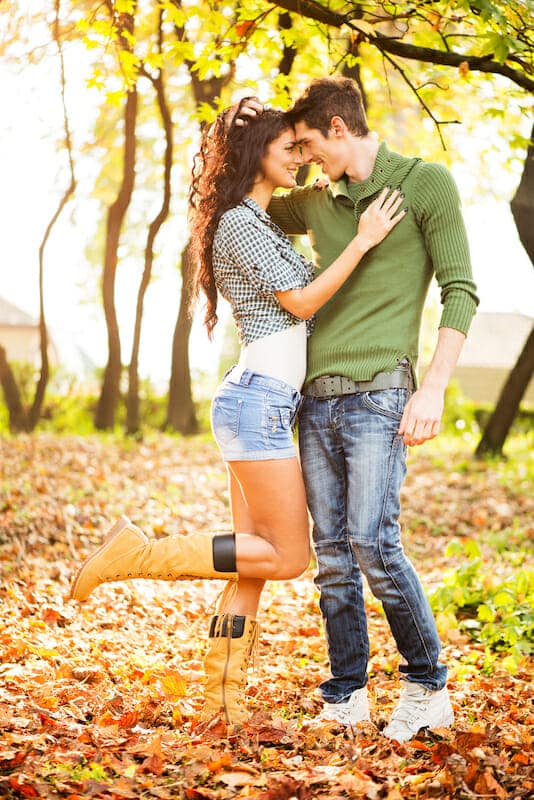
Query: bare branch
{"x": 416, "y": 90}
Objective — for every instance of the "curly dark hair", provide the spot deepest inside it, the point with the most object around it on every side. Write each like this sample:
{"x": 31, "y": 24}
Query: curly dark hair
{"x": 223, "y": 172}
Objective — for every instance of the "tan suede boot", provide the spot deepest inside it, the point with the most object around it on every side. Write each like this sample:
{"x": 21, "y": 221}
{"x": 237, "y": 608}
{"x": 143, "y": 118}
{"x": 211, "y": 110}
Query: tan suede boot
{"x": 127, "y": 553}
{"x": 232, "y": 642}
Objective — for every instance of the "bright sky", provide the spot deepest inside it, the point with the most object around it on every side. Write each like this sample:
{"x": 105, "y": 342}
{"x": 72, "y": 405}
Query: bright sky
{"x": 34, "y": 174}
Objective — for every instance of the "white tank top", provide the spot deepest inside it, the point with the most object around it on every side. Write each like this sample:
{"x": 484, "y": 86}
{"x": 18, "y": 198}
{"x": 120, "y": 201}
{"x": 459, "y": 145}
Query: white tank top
{"x": 280, "y": 355}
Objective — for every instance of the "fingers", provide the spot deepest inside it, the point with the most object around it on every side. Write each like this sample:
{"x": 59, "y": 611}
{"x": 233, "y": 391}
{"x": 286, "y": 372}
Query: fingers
{"x": 252, "y": 107}
{"x": 420, "y": 423}
{"x": 388, "y": 203}
{"x": 393, "y": 202}
{"x": 418, "y": 431}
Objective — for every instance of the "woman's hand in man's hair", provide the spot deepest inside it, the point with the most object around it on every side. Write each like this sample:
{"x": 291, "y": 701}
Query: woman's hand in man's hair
{"x": 248, "y": 108}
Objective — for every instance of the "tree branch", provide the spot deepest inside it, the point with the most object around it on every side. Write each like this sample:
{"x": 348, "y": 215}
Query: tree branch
{"x": 314, "y": 10}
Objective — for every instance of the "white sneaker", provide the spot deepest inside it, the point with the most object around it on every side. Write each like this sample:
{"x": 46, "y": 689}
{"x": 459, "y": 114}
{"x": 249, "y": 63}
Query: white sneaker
{"x": 419, "y": 708}
{"x": 355, "y": 710}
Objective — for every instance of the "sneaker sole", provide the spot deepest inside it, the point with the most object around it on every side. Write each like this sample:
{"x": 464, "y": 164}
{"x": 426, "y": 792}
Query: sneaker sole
{"x": 445, "y": 723}
{"x": 113, "y": 533}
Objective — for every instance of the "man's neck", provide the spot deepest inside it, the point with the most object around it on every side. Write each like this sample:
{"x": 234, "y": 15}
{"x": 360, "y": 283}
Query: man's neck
{"x": 363, "y": 157}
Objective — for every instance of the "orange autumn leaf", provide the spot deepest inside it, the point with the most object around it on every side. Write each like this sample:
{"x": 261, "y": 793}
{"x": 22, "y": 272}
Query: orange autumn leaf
{"x": 22, "y": 789}
{"x": 463, "y": 69}
{"x": 522, "y": 758}
{"x": 153, "y": 764}
{"x": 242, "y": 28}
{"x": 487, "y": 785}
{"x": 220, "y": 763}
{"x": 128, "y": 720}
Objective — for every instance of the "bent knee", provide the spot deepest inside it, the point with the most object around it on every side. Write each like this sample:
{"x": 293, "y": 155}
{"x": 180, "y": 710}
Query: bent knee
{"x": 293, "y": 568}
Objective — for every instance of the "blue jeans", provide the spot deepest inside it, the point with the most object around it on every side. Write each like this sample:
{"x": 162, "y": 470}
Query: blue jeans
{"x": 354, "y": 464}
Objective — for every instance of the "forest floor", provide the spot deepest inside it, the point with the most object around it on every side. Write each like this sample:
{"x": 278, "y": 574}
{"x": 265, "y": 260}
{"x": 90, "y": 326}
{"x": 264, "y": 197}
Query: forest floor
{"x": 103, "y": 699}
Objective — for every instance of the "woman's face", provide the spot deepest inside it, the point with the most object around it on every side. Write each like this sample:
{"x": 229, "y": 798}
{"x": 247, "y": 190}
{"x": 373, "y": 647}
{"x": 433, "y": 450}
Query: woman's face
{"x": 281, "y": 161}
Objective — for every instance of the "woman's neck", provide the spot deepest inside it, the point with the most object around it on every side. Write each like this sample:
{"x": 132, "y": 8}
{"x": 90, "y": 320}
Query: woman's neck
{"x": 261, "y": 193}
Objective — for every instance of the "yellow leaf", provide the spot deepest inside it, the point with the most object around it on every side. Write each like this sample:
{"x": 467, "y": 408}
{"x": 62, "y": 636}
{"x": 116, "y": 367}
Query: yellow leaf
{"x": 173, "y": 685}
{"x": 125, "y": 6}
{"x": 49, "y": 702}
{"x": 115, "y": 98}
{"x": 44, "y": 652}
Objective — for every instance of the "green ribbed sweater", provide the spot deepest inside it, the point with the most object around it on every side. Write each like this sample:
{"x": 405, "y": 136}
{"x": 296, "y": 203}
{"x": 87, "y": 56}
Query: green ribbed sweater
{"x": 374, "y": 320}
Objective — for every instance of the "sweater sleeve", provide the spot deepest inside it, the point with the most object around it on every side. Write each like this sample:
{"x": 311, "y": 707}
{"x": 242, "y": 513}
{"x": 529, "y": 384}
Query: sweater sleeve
{"x": 436, "y": 205}
{"x": 288, "y": 211}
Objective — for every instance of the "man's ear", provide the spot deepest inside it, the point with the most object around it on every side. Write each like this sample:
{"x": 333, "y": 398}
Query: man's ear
{"x": 338, "y": 126}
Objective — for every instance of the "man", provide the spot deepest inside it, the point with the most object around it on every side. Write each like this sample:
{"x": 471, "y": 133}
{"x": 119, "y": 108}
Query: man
{"x": 360, "y": 411}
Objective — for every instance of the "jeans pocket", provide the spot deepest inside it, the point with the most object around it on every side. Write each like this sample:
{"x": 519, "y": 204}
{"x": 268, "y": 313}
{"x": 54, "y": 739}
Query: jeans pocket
{"x": 388, "y": 402}
{"x": 225, "y": 415}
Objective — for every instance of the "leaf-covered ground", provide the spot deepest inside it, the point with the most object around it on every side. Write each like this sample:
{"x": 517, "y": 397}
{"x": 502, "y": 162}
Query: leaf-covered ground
{"x": 103, "y": 700}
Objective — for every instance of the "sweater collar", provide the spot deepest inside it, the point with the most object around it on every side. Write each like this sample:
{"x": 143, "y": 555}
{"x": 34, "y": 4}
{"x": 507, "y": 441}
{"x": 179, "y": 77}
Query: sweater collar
{"x": 385, "y": 165}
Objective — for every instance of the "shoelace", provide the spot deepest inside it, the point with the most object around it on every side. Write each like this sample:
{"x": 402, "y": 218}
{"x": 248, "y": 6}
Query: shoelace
{"x": 225, "y": 597}
{"x": 252, "y": 645}
{"x": 409, "y": 710}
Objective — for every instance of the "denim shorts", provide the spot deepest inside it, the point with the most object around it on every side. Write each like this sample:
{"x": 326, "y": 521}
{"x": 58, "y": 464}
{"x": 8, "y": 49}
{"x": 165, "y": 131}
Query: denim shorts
{"x": 252, "y": 417}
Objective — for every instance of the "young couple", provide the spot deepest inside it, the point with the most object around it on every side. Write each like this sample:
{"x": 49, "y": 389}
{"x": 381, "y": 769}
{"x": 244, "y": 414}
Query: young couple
{"x": 381, "y": 229}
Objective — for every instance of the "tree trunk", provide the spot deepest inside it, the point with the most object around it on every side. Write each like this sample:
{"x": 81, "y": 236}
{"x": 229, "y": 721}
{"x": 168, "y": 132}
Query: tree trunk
{"x": 500, "y": 422}
{"x": 34, "y": 412}
{"x": 181, "y": 410}
{"x": 522, "y": 204}
{"x": 181, "y": 414}
{"x": 18, "y": 420}
{"x": 109, "y": 396}
{"x": 507, "y": 406}
{"x": 132, "y": 400}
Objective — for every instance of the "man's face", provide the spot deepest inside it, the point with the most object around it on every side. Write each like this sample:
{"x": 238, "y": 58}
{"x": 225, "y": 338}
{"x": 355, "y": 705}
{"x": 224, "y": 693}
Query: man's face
{"x": 327, "y": 151}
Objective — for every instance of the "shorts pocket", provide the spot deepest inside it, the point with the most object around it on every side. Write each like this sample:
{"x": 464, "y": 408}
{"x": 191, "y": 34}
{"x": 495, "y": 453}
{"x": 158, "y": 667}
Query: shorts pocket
{"x": 278, "y": 419}
{"x": 225, "y": 416}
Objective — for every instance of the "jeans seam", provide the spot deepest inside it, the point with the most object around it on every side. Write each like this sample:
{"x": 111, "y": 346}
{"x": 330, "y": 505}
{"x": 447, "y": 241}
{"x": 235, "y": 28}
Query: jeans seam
{"x": 395, "y": 447}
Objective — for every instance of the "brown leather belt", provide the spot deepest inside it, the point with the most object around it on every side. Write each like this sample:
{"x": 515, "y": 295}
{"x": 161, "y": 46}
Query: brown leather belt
{"x": 332, "y": 385}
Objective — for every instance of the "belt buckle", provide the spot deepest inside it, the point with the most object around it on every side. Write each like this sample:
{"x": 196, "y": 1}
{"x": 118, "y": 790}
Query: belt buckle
{"x": 326, "y": 386}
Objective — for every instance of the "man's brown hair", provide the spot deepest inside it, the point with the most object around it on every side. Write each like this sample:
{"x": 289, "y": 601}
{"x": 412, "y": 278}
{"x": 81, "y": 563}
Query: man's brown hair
{"x": 331, "y": 97}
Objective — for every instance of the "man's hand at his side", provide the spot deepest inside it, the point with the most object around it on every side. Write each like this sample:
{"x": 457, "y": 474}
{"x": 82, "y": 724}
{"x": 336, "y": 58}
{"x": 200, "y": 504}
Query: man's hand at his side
{"x": 421, "y": 420}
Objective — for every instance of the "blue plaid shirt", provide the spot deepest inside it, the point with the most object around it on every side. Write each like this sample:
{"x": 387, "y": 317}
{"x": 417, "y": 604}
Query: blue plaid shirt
{"x": 252, "y": 259}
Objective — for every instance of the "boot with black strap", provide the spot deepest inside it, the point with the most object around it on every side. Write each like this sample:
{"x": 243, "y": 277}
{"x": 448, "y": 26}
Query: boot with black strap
{"x": 232, "y": 642}
{"x": 127, "y": 553}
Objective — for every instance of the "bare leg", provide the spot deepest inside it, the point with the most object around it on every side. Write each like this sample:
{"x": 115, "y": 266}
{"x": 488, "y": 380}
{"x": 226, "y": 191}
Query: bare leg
{"x": 275, "y": 502}
{"x": 245, "y": 597}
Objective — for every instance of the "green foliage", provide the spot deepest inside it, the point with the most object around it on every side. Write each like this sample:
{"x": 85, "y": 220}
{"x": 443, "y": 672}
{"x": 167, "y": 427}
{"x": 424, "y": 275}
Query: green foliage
{"x": 494, "y": 608}
{"x": 463, "y": 417}
{"x": 75, "y": 772}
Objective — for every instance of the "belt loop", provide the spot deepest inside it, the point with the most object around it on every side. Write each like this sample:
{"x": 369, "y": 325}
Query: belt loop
{"x": 246, "y": 377}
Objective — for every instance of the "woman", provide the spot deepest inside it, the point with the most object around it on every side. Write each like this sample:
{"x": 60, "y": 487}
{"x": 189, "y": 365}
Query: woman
{"x": 273, "y": 297}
